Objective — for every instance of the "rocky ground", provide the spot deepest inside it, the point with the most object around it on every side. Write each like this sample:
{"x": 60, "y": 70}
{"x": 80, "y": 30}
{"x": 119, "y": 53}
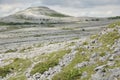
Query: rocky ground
{"x": 76, "y": 51}
{"x": 20, "y": 36}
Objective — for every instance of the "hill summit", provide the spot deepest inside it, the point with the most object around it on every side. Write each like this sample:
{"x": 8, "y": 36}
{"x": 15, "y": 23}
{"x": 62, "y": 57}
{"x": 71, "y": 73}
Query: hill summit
{"x": 37, "y": 15}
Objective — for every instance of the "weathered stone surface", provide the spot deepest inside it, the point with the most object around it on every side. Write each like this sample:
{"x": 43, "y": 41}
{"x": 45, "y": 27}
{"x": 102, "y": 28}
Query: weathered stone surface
{"x": 110, "y": 74}
{"x": 83, "y": 64}
{"x": 84, "y": 75}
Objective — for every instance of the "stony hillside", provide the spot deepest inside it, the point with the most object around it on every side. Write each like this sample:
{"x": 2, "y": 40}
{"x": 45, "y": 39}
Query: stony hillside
{"x": 93, "y": 58}
{"x": 43, "y": 15}
{"x": 37, "y": 15}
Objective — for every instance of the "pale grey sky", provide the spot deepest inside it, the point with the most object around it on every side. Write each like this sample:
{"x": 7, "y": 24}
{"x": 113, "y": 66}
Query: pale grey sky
{"x": 95, "y": 8}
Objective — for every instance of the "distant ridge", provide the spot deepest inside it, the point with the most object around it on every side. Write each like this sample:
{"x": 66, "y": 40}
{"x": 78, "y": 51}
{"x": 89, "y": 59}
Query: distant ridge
{"x": 38, "y": 14}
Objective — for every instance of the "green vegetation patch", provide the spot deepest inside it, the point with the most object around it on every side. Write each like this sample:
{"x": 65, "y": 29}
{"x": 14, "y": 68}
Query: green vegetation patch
{"x": 70, "y": 72}
{"x": 116, "y": 17}
{"x": 76, "y": 38}
{"x": 94, "y": 36}
{"x": 57, "y": 15}
{"x": 51, "y": 61}
{"x": 13, "y": 23}
{"x": 102, "y": 54}
{"x": 18, "y": 77}
{"x": 110, "y": 37}
{"x": 85, "y": 43}
{"x": 11, "y": 50}
{"x": 25, "y": 49}
{"x": 113, "y": 25}
{"x": 4, "y": 71}
{"x": 67, "y": 28}
{"x": 18, "y": 65}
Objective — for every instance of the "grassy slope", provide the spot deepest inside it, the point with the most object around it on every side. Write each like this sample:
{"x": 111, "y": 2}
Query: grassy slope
{"x": 51, "y": 61}
{"x": 18, "y": 65}
{"x": 71, "y": 73}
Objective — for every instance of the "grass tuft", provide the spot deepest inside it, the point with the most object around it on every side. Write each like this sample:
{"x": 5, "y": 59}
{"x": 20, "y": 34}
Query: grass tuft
{"x": 50, "y": 61}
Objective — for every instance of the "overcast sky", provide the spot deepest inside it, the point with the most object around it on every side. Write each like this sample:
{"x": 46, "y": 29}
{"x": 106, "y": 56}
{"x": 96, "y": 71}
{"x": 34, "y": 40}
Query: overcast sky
{"x": 95, "y": 8}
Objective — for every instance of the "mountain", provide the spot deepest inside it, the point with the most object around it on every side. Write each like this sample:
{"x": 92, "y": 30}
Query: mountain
{"x": 37, "y": 15}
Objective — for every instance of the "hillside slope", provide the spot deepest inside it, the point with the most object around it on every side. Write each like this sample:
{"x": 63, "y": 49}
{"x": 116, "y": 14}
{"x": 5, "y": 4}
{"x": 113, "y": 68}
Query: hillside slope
{"x": 93, "y": 58}
{"x": 37, "y": 15}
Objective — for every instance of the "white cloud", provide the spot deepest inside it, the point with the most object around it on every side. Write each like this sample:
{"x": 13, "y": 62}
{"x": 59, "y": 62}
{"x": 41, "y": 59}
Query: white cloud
{"x": 98, "y": 11}
{"x": 7, "y": 9}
